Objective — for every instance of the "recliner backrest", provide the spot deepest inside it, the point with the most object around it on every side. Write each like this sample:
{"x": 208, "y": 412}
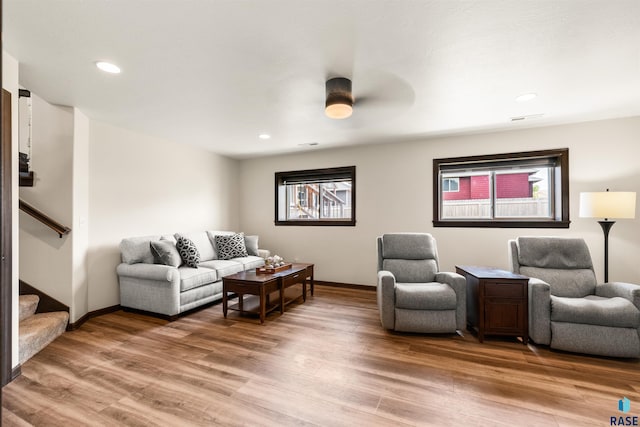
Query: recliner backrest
{"x": 564, "y": 263}
{"x": 411, "y": 257}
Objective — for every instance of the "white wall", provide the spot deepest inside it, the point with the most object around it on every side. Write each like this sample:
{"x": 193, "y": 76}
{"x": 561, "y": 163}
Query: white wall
{"x": 45, "y": 258}
{"x": 80, "y": 208}
{"x": 394, "y": 193}
{"x": 140, "y": 185}
{"x": 10, "y": 83}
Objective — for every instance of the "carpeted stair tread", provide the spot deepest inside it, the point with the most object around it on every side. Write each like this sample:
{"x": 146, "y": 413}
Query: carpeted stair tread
{"x": 39, "y": 330}
{"x": 28, "y": 305}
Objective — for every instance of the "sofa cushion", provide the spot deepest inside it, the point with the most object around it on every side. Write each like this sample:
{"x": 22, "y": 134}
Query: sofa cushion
{"x": 136, "y": 249}
{"x": 425, "y": 296}
{"x": 251, "y": 243}
{"x": 228, "y": 247}
{"x": 188, "y": 252}
{"x": 194, "y": 277}
{"x": 165, "y": 252}
{"x": 615, "y": 312}
{"x": 201, "y": 295}
{"x": 250, "y": 262}
{"x": 223, "y": 267}
{"x": 201, "y": 240}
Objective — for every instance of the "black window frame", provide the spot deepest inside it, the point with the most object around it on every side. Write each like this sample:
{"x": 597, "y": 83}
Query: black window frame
{"x": 560, "y": 210}
{"x": 311, "y": 175}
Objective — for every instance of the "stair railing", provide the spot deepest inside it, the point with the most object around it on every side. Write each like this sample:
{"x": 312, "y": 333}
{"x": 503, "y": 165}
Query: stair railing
{"x": 44, "y": 218}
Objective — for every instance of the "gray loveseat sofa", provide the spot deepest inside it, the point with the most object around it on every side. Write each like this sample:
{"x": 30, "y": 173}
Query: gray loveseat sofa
{"x": 147, "y": 284}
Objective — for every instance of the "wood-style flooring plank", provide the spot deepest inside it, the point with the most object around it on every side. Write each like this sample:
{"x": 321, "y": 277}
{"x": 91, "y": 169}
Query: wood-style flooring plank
{"x": 325, "y": 362}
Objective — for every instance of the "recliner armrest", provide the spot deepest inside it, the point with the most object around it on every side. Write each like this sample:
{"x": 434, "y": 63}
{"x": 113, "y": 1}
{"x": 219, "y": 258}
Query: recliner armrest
{"x": 455, "y": 280}
{"x": 386, "y": 296}
{"x": 459, "y": 285}
{"x": 627, "y": 291}
{"x": 539, "y": 311}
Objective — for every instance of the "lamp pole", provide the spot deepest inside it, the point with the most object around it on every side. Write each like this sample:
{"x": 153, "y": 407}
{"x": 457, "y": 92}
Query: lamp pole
{"x": 608, "y": 204}
{"x": 606, "y": 226}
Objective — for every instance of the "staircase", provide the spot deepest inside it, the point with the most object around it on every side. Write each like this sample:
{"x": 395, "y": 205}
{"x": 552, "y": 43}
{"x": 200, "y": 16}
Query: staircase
{"x": 38, "y": 330}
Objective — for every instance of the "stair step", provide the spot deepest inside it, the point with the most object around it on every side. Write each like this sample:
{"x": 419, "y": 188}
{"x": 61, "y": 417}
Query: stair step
{"x": 28, "y": 305}
{"x": 39, "y": 330}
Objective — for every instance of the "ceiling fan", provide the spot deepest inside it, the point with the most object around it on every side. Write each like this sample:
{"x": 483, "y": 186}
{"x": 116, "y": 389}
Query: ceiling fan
{"x": 339, "y": 102}
{"x": 393, "y": 93}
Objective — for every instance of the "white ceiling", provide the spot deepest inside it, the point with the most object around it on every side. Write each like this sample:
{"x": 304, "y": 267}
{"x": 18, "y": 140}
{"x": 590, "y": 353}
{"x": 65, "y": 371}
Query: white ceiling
{"x": 218, "y": 73}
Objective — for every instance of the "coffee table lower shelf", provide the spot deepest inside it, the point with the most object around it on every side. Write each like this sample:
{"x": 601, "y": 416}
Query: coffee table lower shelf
{"x": 251, "y": 304}
{"x": 291, "y": 296}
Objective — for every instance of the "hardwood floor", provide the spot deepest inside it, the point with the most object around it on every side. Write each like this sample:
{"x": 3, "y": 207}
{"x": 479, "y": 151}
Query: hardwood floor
{"x": 325, "y": 362}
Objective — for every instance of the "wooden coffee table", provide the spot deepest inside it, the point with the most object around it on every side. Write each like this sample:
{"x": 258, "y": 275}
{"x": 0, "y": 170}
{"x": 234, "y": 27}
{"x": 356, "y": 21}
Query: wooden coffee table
{"x": 261, "y": 286}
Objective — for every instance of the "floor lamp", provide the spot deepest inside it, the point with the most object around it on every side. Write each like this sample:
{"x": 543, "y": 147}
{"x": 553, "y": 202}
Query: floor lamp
{"x": 607, "y": 205}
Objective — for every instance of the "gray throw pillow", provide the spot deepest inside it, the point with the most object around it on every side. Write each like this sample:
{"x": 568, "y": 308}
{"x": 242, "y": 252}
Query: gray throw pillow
{"x": 232, "y": 246}
{"x": 251, "y": 243}
{"x": 188, "y": 252}
{"x": 165, "y": 252}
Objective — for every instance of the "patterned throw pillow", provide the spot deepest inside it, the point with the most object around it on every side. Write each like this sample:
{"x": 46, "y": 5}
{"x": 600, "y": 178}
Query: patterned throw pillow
{"x": 188, "y": 252}
{"x": 232, "y": 246}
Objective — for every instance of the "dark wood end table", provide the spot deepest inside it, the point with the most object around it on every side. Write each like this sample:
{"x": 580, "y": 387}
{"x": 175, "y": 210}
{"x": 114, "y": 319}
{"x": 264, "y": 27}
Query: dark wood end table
{"x": 497, "y": 302}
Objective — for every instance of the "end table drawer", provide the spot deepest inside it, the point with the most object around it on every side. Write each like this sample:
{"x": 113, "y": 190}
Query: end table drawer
{"x": 505, "y": 290}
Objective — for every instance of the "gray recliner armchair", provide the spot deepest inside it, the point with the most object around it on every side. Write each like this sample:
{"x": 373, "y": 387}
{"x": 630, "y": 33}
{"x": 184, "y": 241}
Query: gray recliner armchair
{"x": 568, "y": 309}
{"x": 413, "y": 295}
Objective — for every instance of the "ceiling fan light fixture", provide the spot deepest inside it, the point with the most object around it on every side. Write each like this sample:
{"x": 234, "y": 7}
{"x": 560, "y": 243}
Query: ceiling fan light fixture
{"x": 338, "y": 111}
{"x": 339, "y": 102}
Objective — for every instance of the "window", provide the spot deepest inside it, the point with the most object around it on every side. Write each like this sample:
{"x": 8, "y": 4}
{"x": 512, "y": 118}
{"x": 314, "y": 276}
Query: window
{"x": 450, "y": 184}
{"x": 316, "y": 197}
{"x": 529, "y": 189}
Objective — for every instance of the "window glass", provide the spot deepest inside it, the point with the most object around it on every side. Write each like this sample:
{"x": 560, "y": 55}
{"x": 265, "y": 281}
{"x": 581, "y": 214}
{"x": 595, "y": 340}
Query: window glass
{"x": 507, "y": 190}
{"x": 316, "y": 197}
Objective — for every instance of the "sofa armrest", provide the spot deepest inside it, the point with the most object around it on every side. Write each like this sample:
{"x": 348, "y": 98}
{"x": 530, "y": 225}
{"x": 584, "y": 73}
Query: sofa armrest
{"x": 386, "y": 295}
{"x": 539, "y": 311}
{"x": 627, "y": 291}
{"x": 148, "y": 271}
{"x": 459, "y": 284}
{"x": 150, "y": 287}
{"x": 264, "y": 253}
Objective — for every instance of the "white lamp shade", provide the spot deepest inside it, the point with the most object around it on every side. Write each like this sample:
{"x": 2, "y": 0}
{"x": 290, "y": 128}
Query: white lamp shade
{"x": 608, "y": 204}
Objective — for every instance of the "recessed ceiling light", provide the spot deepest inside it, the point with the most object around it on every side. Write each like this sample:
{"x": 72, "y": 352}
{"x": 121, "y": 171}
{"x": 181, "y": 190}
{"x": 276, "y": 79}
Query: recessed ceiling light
{"x": 108, "y": 67}
{"x": 264, "y": 136}
{"x": 526, "y": 97}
